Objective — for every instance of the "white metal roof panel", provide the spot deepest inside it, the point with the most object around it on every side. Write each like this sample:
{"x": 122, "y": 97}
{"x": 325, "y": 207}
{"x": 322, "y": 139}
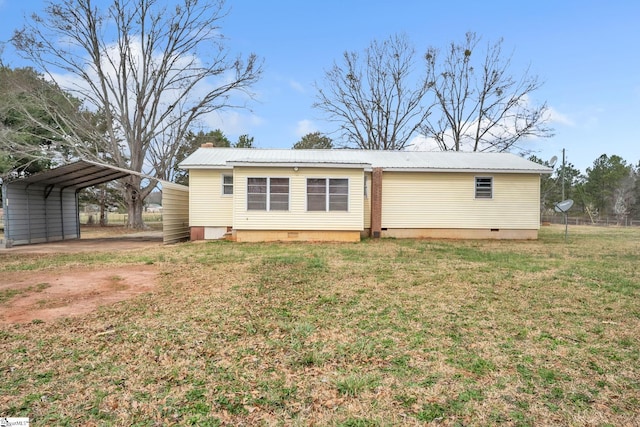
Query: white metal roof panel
{"x": 227, "y": 158}
{"x": 80, "y": 174}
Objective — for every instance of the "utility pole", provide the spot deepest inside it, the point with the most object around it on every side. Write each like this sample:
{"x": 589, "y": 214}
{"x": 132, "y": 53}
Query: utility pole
{"x": 563, "y": 164}
{"x": 566, "y": 214}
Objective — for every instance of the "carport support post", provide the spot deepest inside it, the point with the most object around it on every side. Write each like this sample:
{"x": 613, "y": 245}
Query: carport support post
{"x": 77, "y": 201}
{"x": 376, "y": 202}
{"x": 5, "y": 210}
{"x": 62, "y": 213}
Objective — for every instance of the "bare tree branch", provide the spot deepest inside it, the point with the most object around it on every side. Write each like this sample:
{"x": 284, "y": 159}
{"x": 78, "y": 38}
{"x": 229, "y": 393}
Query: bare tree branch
{"x": 372, "y": 100}
{"x": 149, "y": 70}
{"x": 478, "y": 105}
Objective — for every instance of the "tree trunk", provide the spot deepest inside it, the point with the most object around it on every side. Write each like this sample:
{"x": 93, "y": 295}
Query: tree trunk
{"x": 103, "y": 203}
{"x": 134, "y": 210}
{"x": 133, "y": 199}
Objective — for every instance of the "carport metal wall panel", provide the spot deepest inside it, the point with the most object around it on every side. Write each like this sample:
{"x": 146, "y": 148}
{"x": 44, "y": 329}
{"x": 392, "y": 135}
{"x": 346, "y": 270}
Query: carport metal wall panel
{"x": 70, "y": 218}
{"x": 175, "y": 213}
{"x": 37, "y": 214}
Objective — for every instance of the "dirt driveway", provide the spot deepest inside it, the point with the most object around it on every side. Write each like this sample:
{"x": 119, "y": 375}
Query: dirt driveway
{"x": 63, "y": 292}
{"x": 92, "y": 243}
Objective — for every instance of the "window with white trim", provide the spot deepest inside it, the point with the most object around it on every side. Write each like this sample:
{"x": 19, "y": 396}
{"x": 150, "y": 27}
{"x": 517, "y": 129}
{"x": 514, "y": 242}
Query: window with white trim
{"x": 268, "y": 194}
{"x": 484, "y": 187}
{"x": 227, "y": 185}
{"x": 327, "y": 194}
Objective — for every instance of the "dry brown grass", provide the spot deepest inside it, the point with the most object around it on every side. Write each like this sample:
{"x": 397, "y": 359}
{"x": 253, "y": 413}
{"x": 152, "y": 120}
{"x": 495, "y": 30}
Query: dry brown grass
{"x": 391, "y": 332}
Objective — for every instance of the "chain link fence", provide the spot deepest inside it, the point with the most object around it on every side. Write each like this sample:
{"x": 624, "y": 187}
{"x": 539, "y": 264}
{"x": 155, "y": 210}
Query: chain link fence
{"x": 581, "y": 220}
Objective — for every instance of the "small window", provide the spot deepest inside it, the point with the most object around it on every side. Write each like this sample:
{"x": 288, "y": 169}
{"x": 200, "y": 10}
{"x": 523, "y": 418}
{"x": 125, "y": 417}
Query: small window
{"x": 327, "y": 194}
{"x": 484, "y": 187}
{"x": 227, "y": 185}
{"x": 268, "y": 194}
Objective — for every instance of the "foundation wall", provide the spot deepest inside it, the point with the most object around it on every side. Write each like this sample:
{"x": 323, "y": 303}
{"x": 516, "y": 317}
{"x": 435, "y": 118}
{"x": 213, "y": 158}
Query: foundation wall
{"x": 460, "y": 233}
{"x": 296, "y": 236}
{"x": 196, "y": 233}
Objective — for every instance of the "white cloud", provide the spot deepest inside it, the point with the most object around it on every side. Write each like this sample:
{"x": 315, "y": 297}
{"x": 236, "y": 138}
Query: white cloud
{"x": 304, "y": 127}
{"x": 297, "y": 86}
{"x": 554, "y": 116}
{"x": 232, "y": 122}
{"x": 422, "y": 143}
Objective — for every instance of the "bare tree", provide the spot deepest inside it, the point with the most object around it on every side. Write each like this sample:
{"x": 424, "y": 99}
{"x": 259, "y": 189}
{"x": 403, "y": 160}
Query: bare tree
{"x": 371, "y": 98}
{"x": 150, "y": 70}
{"x": 479, "y": 105}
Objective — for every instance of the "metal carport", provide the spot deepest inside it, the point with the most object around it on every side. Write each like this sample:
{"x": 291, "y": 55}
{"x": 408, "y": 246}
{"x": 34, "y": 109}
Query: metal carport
{"x": 44, "y": 207}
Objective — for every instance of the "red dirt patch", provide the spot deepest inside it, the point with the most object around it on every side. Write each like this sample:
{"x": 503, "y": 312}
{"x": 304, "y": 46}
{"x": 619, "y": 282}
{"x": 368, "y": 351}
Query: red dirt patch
{"x": 48, "y": 295}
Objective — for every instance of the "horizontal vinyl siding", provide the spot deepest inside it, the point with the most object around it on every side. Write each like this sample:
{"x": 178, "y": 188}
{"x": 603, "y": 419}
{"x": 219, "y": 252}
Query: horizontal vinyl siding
{"x": 175, "y": 214}
{"x": 297, "y": 217}
{"x": 447, "y": 200}
{"x": 207, "y": 206}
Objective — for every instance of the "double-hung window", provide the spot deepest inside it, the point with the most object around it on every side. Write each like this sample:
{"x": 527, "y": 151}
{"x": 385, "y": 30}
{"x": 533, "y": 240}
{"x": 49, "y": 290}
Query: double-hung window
{"x": 484, "y": 187}
{"x": 227, "y": 185}
{"x": 327, "y": 194}
{"x": 268, "y": 194}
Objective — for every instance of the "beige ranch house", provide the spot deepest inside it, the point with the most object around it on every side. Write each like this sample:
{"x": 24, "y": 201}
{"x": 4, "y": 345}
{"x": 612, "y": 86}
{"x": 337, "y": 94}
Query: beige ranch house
{"x": 253, "y": 195}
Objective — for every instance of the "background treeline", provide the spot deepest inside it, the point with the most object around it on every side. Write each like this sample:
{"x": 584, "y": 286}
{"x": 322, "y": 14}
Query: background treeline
{"x": 608, "y": 190}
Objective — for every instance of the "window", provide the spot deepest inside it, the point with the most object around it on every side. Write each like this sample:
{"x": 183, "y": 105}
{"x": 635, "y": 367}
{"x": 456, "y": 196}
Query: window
{"x": 227, "y": 185}
{"x": 257, "y": 194}
{"x": 484, "y": 187}
{"x": 278, "y": 194}
{"x": 327, "y": 194}
{"x": 268, "y": 194}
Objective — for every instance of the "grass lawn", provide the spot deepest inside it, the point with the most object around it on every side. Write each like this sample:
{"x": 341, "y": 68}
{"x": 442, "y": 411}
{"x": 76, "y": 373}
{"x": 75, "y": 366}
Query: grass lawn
{"x": 377, "y": 333}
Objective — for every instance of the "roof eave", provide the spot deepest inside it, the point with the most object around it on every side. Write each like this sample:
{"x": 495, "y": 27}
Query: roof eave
{"x": 291, "y": 164}
{"x": 200, "y": 166}
{"x": 470, "y": 170}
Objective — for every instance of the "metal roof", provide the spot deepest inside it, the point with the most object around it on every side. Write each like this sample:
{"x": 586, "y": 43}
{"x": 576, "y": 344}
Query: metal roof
{"x": 418, "y": 161}
{"x": 78, "y": 175}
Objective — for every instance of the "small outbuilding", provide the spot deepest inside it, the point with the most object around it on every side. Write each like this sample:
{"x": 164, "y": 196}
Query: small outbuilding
{"x": 44, "y": 207}
{"x": 343, "y": 195}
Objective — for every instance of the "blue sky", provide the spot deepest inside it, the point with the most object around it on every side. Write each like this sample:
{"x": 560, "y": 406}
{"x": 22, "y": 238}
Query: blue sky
{"x": 586, "y": 52}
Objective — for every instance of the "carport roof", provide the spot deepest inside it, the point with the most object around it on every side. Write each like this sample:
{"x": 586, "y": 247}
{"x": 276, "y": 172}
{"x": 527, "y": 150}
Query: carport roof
{"x": 78, "y": 175}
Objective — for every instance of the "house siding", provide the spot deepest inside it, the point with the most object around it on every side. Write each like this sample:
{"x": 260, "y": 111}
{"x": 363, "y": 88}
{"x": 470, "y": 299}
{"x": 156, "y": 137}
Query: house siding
{"x": 297, "y": 217}
{"x": 207, "y": 206}
{"x": 447, "y": 201}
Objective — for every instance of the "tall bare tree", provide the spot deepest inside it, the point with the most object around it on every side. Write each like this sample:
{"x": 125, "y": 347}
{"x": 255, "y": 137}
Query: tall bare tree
{"x": 479, "y": 105}
{"x": 375, "y": 99}
{"x": 150, "y": 69}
